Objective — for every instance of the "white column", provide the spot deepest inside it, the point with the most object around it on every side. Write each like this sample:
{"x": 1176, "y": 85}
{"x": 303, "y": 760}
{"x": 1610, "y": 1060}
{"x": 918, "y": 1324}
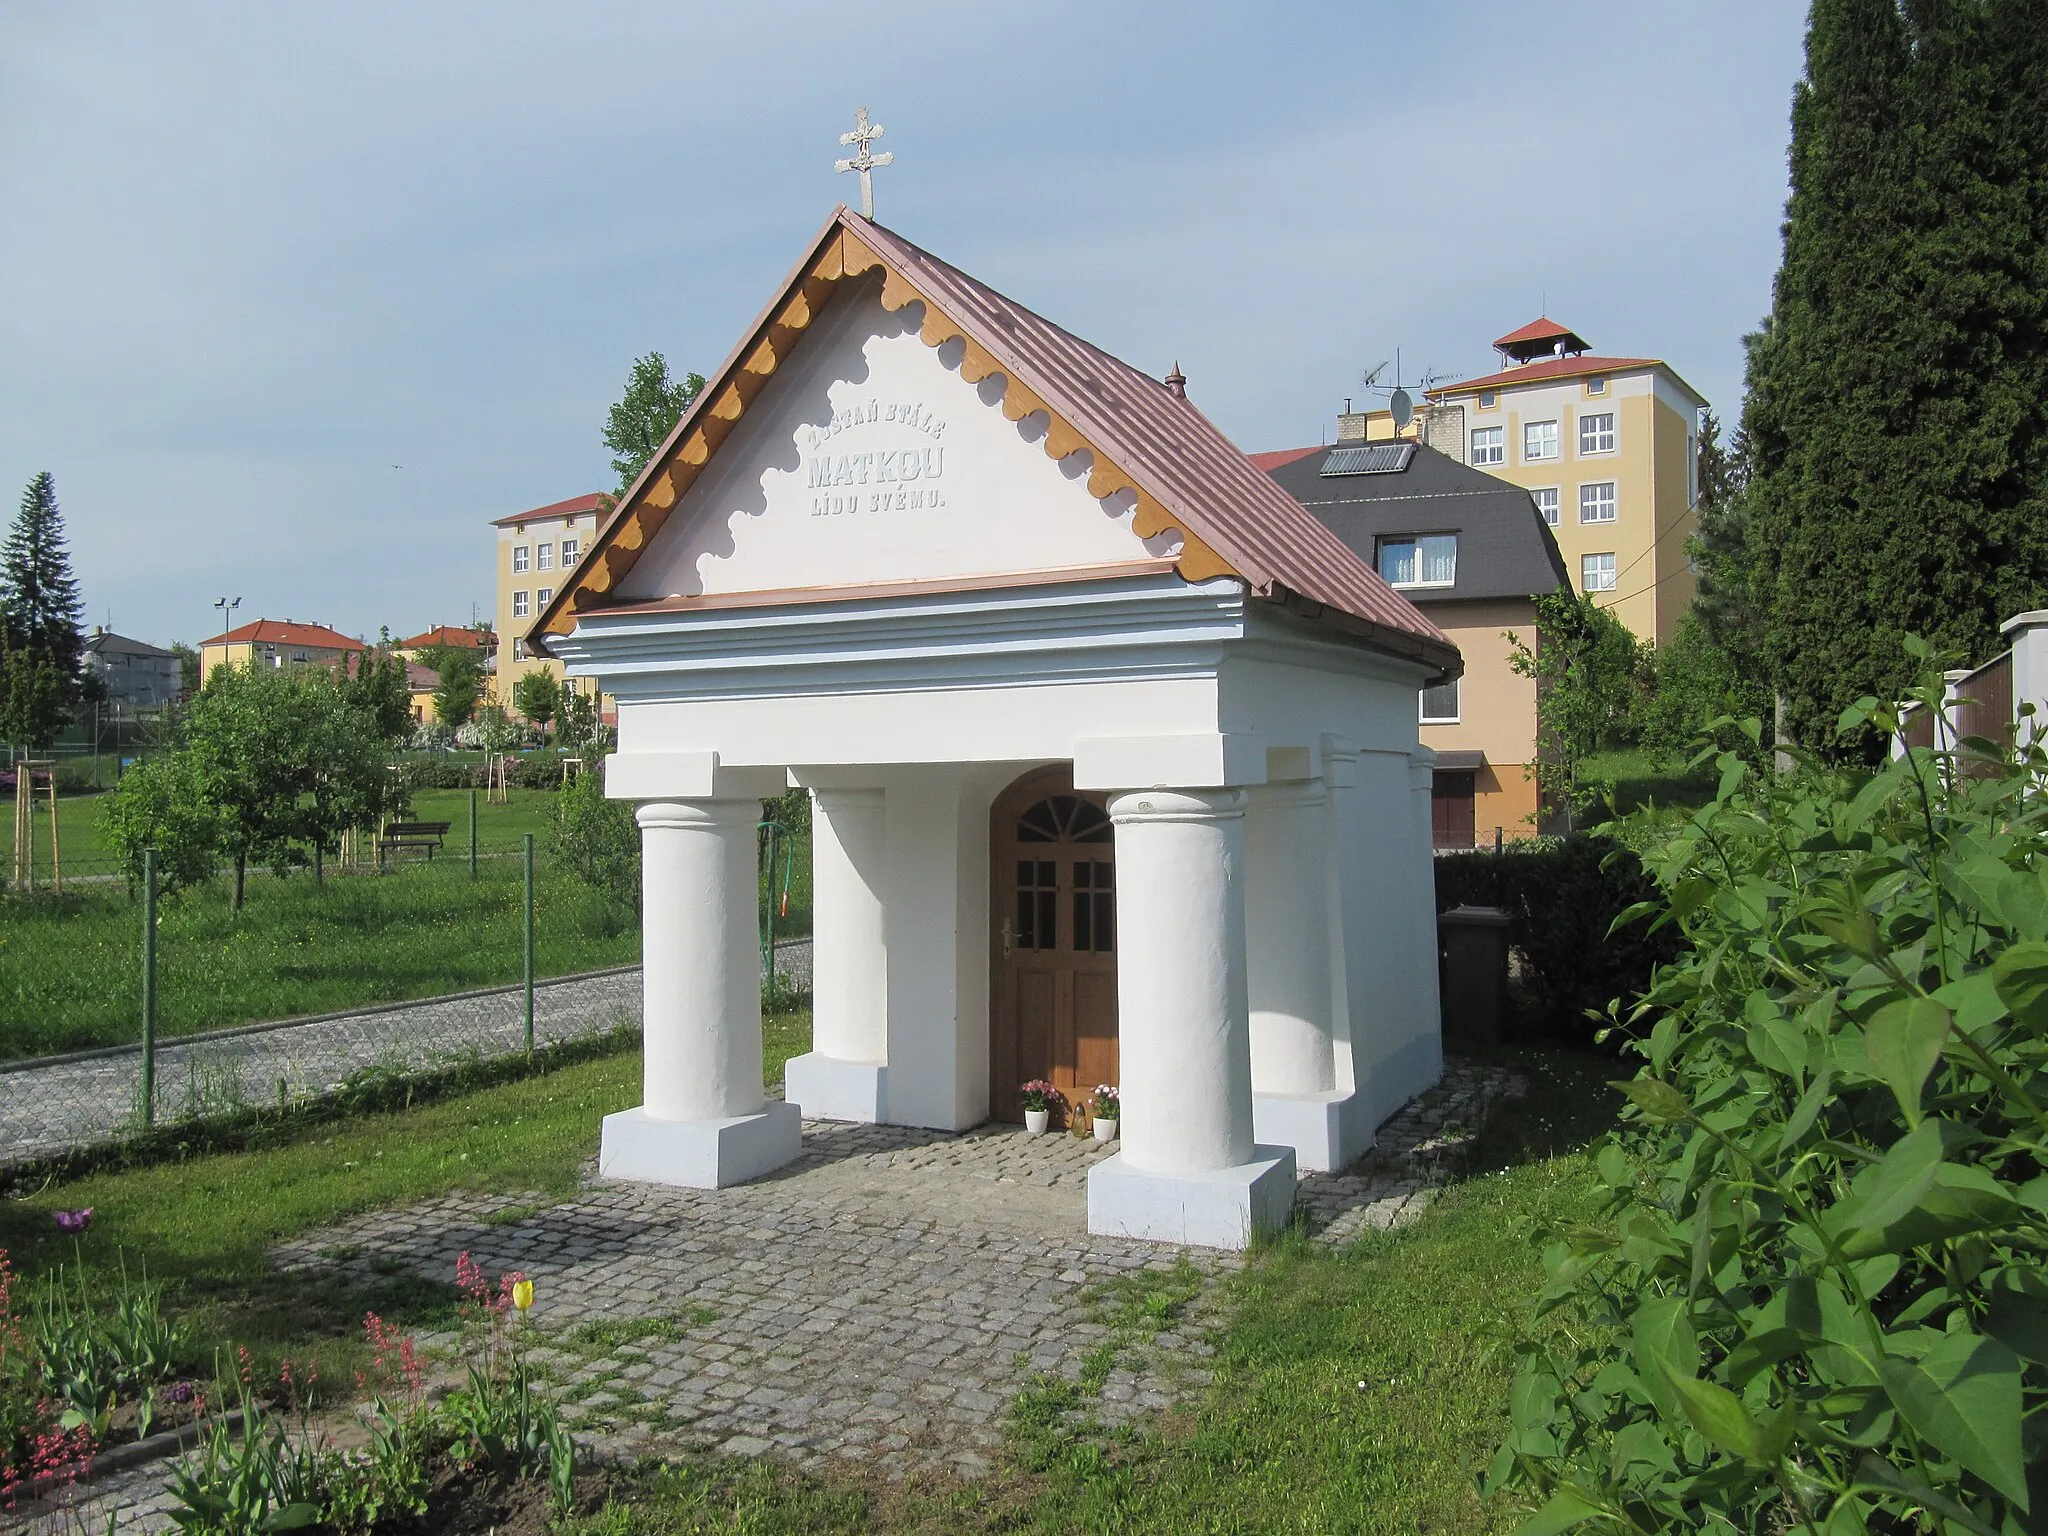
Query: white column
{"x": 845, "y": 1074}
{"x": 1290, "y": 856}
{"x": 703, "y": 1123}
{"x": 1287, "y": 941}
{"x": 1189, "y": 1170}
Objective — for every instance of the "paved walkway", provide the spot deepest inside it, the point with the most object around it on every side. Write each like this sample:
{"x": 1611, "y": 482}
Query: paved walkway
{"x": 80, "y": 1101}
{"x": 882, "y": 1300}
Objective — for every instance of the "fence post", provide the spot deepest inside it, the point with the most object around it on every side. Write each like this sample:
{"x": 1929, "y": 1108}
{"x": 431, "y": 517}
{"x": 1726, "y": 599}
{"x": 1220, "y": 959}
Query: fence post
{"x": 149, "y": 986}
{"x": 472, "y": 832}
{"x": 529, "y": 943}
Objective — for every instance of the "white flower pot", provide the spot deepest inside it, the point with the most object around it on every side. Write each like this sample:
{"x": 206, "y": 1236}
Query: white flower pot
{"x": 1105, "y": 1129}
{"x": 1035, "y": 1120}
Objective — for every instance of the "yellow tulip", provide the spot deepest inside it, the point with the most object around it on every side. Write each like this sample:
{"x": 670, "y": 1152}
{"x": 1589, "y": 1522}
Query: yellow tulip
{"x": 522, "y": 1294}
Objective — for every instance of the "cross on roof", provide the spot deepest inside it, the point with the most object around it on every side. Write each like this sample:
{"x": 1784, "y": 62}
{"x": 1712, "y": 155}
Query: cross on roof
{"x": 864, "y": 161}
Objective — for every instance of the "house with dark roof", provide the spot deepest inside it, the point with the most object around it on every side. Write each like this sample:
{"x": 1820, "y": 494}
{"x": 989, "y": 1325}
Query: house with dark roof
{"x": 1111, "y": 745}
{"x": 1473, "y": 552}
{"x": 136, "y": 675}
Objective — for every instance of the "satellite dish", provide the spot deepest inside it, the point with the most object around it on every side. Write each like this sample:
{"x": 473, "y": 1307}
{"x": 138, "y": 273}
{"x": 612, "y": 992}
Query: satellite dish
{"x": 1402, "y": 407}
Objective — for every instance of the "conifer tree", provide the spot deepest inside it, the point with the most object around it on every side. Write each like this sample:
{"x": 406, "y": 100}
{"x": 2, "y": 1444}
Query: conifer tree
{"x": 39, "y": 599}
{"x": 1897, "y": 417}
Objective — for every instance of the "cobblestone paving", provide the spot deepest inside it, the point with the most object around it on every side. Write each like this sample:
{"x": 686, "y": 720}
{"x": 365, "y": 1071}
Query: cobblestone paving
{"x": 47, "y": 1109}
{"x": 880, "y": 1300}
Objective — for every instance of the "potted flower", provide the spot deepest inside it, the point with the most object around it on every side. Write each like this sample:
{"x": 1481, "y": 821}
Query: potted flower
{"x": 1040, "y": 1099}
{"x": 1106, "y": 1111}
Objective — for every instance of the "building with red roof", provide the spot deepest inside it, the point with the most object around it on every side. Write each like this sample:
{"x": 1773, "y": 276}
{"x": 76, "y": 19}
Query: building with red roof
{"x": 276, "y": 643}
{"x": 1609, "y": 447}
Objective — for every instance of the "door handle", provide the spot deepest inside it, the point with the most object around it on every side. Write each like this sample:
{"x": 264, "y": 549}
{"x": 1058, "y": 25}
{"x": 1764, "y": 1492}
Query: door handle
{"x": 1009, "y": 937}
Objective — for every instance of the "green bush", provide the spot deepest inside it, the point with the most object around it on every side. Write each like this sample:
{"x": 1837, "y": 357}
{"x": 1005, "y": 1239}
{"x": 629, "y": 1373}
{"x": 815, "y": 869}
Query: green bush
{"x": 597, "y": 839}
{"x": 1816, "y": 1301}
{"x": 1562, "y": 897}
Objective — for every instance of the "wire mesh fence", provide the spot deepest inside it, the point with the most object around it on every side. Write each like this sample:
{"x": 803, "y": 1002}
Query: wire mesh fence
{"x": 405, "y": 954}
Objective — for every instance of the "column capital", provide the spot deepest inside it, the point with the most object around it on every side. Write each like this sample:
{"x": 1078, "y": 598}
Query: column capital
{"x": 695, "y": 815}
{"x": 1156, "y": 805}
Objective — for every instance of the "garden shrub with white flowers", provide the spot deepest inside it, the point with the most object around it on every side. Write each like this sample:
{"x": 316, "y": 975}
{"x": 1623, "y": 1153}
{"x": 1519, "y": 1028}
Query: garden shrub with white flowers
{"x": 1816, "y": 1302}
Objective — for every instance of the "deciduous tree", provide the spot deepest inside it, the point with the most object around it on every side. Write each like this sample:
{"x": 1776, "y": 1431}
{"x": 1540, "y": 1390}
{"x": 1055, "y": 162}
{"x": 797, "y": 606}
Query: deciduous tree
{"x": 461, "y": 683}
{"x": 645, "y": 415}
{"x": 538, "y": 696}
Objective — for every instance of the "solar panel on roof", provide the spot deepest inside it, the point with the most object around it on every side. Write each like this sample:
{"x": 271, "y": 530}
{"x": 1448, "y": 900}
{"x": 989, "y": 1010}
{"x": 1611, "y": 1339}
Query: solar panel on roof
{"x": 1373, "y": 459}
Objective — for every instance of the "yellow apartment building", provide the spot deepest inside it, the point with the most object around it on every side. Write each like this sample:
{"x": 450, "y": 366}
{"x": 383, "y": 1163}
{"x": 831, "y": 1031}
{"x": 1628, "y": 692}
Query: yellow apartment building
{"x": 279, "y": 643}
{"x": 534, "y": 551}
{"x": 1609, "y": 449}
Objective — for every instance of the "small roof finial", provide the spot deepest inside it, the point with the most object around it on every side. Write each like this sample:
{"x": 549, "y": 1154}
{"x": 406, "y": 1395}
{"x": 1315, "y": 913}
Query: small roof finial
{"x": 1176, "y": 382}
{"x": 863, "y": 160}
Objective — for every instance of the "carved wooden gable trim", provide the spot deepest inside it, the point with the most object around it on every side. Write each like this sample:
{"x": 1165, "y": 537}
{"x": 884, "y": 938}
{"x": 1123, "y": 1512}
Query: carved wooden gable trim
{"x": 840, "y": 255}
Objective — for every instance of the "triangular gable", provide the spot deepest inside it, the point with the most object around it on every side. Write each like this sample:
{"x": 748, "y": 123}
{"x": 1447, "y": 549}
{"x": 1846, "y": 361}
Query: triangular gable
{"x": 1144, "y": 441}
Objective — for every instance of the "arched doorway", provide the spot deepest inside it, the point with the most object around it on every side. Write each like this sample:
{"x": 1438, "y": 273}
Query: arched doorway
{"x": 1052, "y": 960}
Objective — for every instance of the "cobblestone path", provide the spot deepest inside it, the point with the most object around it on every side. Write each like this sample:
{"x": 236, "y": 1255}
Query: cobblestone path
{"x": 76, "y": 1102}
{"x": 883, "y": 1299}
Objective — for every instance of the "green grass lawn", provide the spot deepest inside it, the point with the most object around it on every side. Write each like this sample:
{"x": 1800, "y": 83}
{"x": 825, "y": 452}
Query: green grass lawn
{"x": 70, "y": 966}
{"x": 1637, "y": 780}
{"x": 1356, "y": 1390}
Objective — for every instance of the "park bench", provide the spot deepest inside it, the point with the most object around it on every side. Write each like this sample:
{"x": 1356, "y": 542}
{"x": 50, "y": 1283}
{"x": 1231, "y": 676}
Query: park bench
{"x": 401, "y": 835}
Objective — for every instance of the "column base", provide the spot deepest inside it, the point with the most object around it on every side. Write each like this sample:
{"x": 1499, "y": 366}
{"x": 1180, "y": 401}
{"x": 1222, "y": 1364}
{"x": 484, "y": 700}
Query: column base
{"x": 699, "y": 1154}
{"x": 830, "y": 1089}
{"x": 1220, "y": 1208}
{"x": 1328, "y": 1131}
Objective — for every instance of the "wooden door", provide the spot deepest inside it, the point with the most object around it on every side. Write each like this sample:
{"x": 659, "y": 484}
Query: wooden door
{"x": 1052, "y": 965}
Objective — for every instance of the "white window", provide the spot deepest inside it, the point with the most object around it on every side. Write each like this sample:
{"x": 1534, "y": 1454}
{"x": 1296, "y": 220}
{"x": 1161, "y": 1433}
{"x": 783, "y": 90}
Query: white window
{"x": 1486, "y": 398}
{"x": 544, "y": 556}
{"x": 1596, "y": 433}
{"x": 1440, "y": 704}
{"x": 1546, "y": 503}
{"x": 1429, "y": 561}
{"x": 1539, "y": 440}
{"x": 1596, "y": 573}
{"x": 569, "y": 548}
{"x": 1487, "y": 447}
{"x": 1596, "y": 386}
{"x": 519, "y": 557}
{"x": 545, "y": 596}
{"x": 519, "y": 608}
{"x": 1596, "y": 502}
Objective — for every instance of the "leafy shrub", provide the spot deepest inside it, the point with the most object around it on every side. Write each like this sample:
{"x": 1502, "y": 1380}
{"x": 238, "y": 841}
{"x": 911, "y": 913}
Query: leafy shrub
{"x": 597, "y": 839}
{"x": 1562, "y": 896}
{"x": 1817, "y": 1301}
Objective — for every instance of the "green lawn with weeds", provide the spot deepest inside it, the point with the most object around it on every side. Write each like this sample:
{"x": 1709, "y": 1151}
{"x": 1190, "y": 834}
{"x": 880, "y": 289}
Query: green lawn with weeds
{"x": 71, "y": 965}
{"x": 1359, "y": 1389}
{"x": 204, "y": 1226}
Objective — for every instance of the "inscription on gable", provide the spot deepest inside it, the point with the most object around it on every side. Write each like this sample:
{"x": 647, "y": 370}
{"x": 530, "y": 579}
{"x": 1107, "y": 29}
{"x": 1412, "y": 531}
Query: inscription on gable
{"x": 875, "y": 479}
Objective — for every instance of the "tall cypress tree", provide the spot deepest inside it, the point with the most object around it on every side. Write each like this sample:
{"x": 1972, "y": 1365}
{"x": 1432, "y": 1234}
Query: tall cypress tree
{"x": 1897, "y": 417}
{"x": 39, "y": 600}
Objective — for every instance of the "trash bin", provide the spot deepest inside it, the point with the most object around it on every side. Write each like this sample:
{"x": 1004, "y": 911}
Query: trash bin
{"x": 1472, "y": 975}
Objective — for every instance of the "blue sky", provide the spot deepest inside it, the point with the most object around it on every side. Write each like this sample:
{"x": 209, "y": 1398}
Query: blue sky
{"x": 252, "y": 256}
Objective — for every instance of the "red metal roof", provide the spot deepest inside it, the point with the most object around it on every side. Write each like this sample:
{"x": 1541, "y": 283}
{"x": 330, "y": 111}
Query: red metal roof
{"x": 285, "y": 632}
{"x": 449, "y": 634}
{"x": 1543, "y": 328}
{"x": 1558, "y": 368}
{"x": 574, "y": 506}
{"x": 1273, "y": 458}
{"x": 1165, "y": 443}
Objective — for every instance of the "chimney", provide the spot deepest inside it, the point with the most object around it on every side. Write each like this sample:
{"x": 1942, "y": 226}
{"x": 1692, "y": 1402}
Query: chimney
{"x": 1176, "y": 382}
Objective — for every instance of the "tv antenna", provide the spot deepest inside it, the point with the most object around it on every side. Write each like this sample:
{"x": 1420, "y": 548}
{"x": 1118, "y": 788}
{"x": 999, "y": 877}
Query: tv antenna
{"x": 1400, "y": 404}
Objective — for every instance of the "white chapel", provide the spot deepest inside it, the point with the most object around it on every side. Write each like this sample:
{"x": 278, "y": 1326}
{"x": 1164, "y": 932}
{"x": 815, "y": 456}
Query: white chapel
{"x": 1112, "y": 752}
